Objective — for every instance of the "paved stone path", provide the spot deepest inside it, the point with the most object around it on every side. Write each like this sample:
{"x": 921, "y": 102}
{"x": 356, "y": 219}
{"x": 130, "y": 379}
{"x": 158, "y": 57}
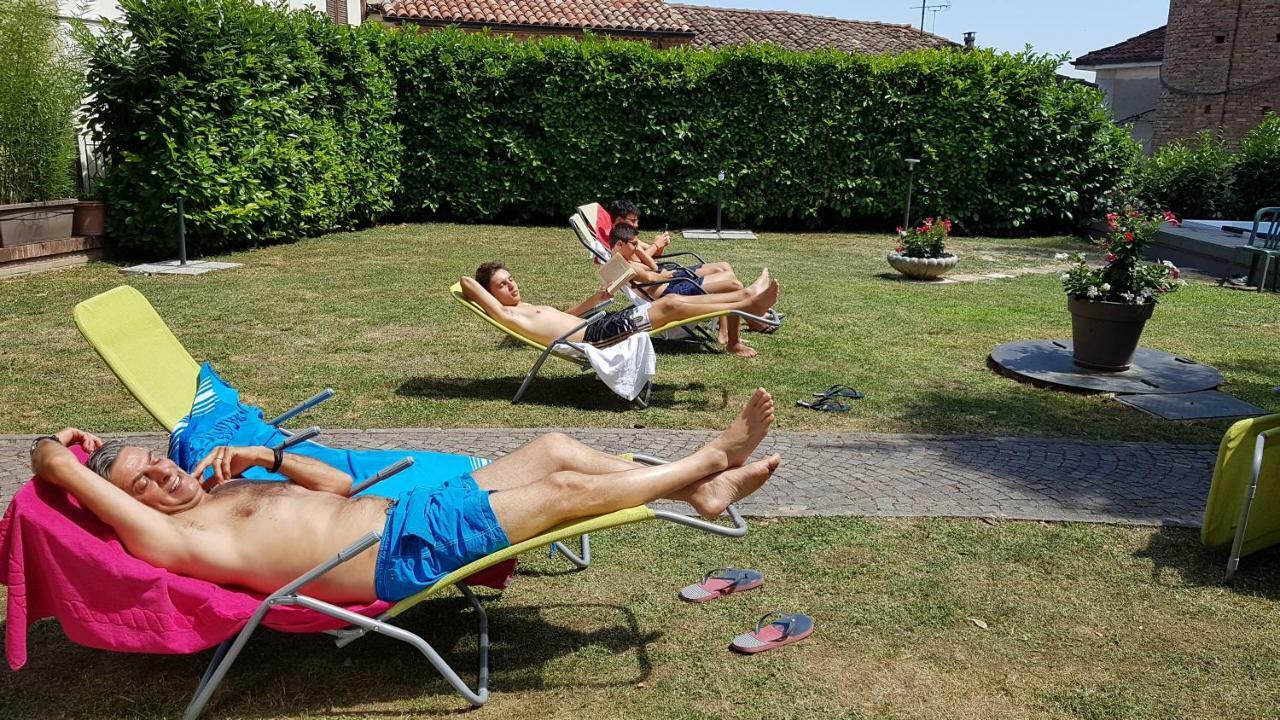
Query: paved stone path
{"x": 865, "y": 474}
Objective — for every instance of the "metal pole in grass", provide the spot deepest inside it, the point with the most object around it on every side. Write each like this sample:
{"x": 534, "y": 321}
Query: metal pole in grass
{"x": 719, "y": 199}
{"x": 182, "y": 235}
{"x": 911, "y": 180}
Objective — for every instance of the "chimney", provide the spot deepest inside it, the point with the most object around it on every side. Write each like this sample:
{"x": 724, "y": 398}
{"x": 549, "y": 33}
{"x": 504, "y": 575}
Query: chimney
{"x": 970, "y": 40}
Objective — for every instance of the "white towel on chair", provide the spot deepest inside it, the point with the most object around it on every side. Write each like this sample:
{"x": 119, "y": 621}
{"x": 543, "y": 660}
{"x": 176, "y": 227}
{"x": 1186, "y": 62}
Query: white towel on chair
{"x": 626, "y": 367}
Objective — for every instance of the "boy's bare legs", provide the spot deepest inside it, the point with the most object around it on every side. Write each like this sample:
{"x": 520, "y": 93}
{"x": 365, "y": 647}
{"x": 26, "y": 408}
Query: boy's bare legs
{"x": 712, "y": 268}
{"x": 676, "y": 308}
{"x": 733, "y": 337}
{"x": 709, "y": 479}
{"x": 722, "y": 282}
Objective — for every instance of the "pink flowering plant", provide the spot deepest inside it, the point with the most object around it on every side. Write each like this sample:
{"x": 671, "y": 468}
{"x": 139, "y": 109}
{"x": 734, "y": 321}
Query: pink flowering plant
{"x": 1125, "y": 278}
{"x": 925, "y": 241}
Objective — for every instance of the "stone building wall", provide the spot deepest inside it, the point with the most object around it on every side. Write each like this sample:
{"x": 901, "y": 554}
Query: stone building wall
{"x": 1212, "y": 46}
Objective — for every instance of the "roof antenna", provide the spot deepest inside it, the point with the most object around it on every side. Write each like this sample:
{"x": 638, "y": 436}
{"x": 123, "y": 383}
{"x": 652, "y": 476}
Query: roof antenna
{"x": 935, "y": 8}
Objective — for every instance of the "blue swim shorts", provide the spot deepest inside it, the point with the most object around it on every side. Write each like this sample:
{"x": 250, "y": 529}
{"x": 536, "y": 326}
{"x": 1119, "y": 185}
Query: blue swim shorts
{"x": 688, "y": 284}
{"x": 432, "y": 531}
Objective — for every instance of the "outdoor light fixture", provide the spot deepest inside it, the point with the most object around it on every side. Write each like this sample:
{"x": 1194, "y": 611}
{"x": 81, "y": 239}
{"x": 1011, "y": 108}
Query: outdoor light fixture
{"x": 911, "y": 179}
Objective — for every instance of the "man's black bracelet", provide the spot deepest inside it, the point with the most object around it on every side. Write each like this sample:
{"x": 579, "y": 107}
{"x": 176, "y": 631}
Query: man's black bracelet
{"x": 36, "y": 442}
{"x": 279, "y": 453}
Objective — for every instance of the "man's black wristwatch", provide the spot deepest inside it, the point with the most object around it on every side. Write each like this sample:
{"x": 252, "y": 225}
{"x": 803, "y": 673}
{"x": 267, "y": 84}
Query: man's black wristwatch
{"x": 279, "y": 458}
{"x": 36, "y": 442}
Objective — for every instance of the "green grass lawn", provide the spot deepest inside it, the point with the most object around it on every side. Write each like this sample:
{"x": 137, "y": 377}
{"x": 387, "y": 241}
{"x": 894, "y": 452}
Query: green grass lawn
{"x": 369, "y": 314}
{"x": 1081, "y": 621}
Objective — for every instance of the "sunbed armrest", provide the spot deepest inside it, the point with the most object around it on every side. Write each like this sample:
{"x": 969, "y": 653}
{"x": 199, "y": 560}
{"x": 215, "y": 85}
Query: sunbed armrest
{"x": 302, "y": 407}
{"x": 666, "y": 256}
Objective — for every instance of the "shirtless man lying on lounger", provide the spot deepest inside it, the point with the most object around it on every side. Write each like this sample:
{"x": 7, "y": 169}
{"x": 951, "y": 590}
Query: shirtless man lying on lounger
{"x": 263, "y": 535}
{"x": 495, "y": 290}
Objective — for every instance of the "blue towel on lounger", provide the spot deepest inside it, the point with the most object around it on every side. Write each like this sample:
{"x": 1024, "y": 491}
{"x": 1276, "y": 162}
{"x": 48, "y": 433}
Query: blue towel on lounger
{"x": 218, "y": 417}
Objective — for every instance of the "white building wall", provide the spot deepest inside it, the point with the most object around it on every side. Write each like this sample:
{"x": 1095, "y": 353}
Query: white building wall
{"x": 1132, "y": 91}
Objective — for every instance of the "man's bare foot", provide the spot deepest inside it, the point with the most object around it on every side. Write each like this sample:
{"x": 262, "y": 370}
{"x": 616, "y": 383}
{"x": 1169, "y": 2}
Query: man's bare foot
{"x": 742, "y": 350}
{"x": 711, "y": 496}
{"x": 746, "y": 431}
{"x": 760, "y": 304}
{"x": 760, "y": 284}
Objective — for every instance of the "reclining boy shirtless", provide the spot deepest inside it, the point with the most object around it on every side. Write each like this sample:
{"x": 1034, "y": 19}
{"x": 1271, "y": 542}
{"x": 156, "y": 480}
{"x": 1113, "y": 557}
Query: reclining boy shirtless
{"x": 495, "y": 290}
{"x": 261, "y": 536}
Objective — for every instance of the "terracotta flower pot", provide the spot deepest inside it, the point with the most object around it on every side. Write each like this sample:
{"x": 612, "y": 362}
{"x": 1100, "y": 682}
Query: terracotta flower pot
{"x": 90, "y": 219}
{"x": 1105, "y": 335}
{"x": 922, "y": 268}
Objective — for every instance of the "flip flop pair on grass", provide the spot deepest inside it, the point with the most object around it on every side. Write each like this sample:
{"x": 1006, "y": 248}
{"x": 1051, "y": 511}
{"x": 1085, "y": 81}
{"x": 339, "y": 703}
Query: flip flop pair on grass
{"x": 826, "y": 399}
{"x": 783, "y": 629}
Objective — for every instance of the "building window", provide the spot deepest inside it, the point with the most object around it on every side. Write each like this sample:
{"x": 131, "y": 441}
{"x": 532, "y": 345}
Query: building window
{"x": 1219, "y": 39}
{"x": 1208, "y": 109}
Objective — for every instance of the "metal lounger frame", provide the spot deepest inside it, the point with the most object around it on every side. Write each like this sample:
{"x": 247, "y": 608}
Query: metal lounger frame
{"x": 1260, "y": 445}
{"x": 225, "y": 655}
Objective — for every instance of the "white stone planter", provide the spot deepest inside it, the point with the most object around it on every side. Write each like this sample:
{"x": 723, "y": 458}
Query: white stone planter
{"x": 923, "y": 268}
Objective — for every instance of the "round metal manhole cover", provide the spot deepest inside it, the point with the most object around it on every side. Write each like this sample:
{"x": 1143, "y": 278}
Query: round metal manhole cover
{"x": 1047, "y": 363}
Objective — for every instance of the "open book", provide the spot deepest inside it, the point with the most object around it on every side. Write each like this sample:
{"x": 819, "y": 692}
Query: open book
{"x": 615, "y": 273}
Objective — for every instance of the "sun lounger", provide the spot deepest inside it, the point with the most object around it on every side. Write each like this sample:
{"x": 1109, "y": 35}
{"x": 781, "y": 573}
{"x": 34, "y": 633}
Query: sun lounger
{"x": 74, "y": 555}
{"x": 694, "y": 330}
{"x": 137, "y": 345}
{"x": 1243, "y": 509}
{"x": 562, "y": 347}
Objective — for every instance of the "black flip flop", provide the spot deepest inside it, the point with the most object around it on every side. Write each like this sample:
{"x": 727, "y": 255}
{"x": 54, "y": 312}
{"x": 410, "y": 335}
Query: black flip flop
{"x": 825, "y": 404}
{"x": 843, "y": 391}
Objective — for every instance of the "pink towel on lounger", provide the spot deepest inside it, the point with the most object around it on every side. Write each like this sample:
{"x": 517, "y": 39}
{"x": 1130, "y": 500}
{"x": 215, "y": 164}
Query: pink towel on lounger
{"x": 59, "y": 560}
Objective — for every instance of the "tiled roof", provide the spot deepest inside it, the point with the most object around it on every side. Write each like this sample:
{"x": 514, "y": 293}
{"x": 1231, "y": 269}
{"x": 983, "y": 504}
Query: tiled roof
{"x": 653, "y": 16}
{"x": 1147, "y": 47}
{"x": 718, "y": 27}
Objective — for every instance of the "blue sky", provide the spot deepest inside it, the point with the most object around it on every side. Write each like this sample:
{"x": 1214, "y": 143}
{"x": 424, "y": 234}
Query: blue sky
{"x": 1072, "y": 26}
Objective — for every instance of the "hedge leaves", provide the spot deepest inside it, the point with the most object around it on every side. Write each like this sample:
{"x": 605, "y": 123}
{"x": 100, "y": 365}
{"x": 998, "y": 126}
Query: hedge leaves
{"x": 274, "y": 126}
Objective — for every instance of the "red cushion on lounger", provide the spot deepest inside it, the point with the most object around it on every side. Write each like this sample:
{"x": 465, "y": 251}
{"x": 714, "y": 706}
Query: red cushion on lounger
{"x": 603, "y": 226}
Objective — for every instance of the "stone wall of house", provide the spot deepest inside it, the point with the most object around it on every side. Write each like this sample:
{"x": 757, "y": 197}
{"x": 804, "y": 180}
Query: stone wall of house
{"x": 1212, "y": 46}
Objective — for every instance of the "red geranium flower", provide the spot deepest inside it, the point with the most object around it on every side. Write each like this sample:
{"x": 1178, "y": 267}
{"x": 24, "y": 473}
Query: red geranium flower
{"x": 1111, "y": 257}
{"x": 1128, "y": 236}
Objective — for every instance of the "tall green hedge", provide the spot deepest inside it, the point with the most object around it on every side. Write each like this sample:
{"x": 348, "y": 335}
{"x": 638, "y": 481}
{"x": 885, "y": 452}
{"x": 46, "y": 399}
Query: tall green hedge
{"x": 41, "y": 83}
{"x": 271, "y": 125}
{"x": 498, "y": 129}
{"x": 277, "y": 125}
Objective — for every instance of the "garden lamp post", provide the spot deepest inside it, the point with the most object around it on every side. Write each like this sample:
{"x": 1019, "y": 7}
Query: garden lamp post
{"x": 182, "y": 235}
{"x": 911, "y": 178}
{"x": 719, "y": 199}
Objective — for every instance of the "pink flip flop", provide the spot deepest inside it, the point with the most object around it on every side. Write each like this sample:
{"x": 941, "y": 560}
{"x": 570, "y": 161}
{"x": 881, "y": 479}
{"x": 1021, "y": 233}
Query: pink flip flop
{"x": 719, "y": 583}
{"x": 786, "y": 629}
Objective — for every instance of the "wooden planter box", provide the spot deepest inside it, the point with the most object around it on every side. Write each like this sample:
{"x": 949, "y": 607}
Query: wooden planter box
{"x": 26, "y": 223}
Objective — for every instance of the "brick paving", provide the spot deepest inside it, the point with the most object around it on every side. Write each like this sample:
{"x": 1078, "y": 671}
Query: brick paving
{"x": 843, "y": 474}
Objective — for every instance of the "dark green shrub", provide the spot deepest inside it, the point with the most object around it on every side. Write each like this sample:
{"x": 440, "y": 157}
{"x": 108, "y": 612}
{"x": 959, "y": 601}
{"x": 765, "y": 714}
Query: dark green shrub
{"x": 40, "y": 89}
{"x": 1257, "y": 168}
{"x": 1193, "y": 179}
{"x": 497, "y": 129}
{"x": 271, "y": 125}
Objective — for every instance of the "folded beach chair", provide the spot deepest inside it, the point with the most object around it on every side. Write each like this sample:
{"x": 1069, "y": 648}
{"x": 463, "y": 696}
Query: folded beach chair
{"x": 139, "y": 348}
{"x": 1243, "y": 509}
{"x": 59, "y": 560}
